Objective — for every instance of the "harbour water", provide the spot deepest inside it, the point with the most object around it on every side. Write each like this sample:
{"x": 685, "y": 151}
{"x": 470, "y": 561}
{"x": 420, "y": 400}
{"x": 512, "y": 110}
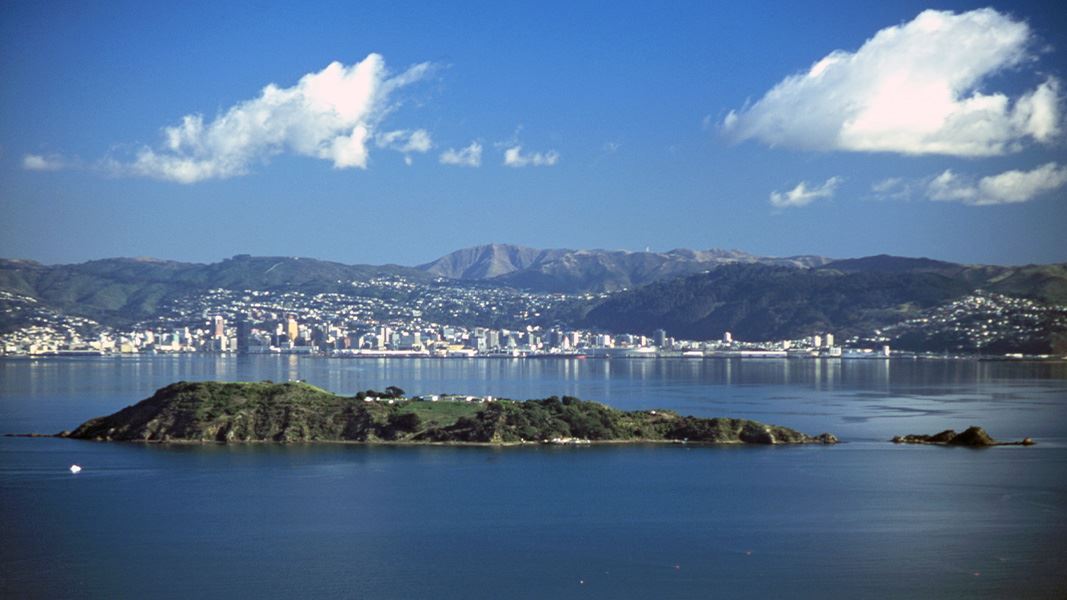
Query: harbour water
{"x": 865, "y": 518}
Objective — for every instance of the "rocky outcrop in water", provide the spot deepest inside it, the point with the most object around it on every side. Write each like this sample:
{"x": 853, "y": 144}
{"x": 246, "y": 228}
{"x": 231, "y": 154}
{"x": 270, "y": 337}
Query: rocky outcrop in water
{"x": 972, "y": 436}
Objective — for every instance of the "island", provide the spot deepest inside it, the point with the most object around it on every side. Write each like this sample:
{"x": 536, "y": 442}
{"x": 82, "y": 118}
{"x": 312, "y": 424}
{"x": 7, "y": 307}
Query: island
{"x": 972, "y": 436}
{"x": 298, "y": 412}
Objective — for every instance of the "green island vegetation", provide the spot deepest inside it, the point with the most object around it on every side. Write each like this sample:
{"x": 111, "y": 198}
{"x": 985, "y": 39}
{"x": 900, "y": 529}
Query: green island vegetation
{"x": 299, "y": 412}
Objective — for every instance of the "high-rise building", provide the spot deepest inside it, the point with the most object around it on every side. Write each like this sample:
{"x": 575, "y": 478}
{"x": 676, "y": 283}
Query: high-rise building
{"x": 218, "y": 328}
{"x": 409, "y": 340}
{"x": 829, "y": 340}
{"x": 478, "y": 342}
{"x": 603, "y": 340}
{"x": 728, "y": 338}
{"x": 292, "y": 328}
{"x": 244, "y": 334}
{"x": 660, "y": 338}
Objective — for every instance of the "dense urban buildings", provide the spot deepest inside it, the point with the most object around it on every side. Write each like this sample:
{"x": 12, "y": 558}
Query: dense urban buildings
{"x": 464, "y": 322}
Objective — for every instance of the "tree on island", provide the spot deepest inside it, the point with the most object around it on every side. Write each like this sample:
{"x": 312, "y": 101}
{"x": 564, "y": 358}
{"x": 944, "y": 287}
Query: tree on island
{"x": 391, "y": 393}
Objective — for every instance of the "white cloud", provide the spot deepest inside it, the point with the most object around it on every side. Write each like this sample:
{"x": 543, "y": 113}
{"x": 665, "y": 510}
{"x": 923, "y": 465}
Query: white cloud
{"x": 916, "y": 88}
{"x": 471, "y": 156}
{"x": 802, "y": 195}
{"x": 887, "y": 185}
{"x": 513, "y": 157}
{"x": 406, "y": 141}
{"x": 331, "y": 115}
{"x": 893, "y": 188}
{"x": 37, "y": 162}
{"x": 1009, "y": 187}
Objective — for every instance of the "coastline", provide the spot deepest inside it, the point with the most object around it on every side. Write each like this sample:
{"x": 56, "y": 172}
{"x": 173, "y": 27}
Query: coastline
{"x": 1037, "y": 358}
{"x": 406, "y": 443}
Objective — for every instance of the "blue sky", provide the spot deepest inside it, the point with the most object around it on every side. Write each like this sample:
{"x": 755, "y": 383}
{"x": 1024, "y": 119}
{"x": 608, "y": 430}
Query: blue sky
{"x": 628, "y": 126}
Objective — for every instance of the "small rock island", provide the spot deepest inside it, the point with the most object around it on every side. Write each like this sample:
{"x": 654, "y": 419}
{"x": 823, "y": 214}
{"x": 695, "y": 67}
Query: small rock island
{"x": 972, "y": 436}
{"x": 297, "y": 412}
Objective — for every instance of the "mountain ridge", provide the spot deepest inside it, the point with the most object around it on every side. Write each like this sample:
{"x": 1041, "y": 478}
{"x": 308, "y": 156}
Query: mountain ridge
{"x": 729, "y": 290}
{"x": 124, "y": 289}
{"x": 591, "y": 270}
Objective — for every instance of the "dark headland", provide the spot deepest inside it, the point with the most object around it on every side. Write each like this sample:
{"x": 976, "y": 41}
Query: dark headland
{"x": 298, "y": 412}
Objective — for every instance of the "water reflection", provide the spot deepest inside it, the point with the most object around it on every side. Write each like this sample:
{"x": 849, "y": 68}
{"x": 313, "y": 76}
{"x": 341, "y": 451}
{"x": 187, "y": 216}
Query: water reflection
{"x": 74, "y": 374}
{"x": 869, "y": 396}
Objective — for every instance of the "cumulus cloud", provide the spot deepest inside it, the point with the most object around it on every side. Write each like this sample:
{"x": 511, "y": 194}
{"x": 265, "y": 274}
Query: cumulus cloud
{"x": 38, "y": 162}
{"x": 471, "y": 156}
{"x": 916, "y": 88}
{"x": 803, "y": 195}
{"x": 514, "y": 157}
{"x": 332, "y": 114}
{"x": 1009, "y": 187}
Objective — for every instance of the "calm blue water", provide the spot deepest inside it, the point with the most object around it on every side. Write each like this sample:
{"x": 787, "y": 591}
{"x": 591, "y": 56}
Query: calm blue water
{"x": 865, "y": 518}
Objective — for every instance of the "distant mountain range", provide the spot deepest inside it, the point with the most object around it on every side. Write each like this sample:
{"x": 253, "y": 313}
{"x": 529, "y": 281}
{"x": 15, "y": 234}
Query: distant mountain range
{"x": 577, "y": 271}
{"x": 692, "y": 294}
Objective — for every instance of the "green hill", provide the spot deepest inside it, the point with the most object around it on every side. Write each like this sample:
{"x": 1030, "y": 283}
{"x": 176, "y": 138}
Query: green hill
{"x": 123, "y": 290}
{"x": 297, "y": 412}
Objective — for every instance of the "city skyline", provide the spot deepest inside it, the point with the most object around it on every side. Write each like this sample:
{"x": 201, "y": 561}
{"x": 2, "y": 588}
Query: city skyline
{"x": 396, "y": 133}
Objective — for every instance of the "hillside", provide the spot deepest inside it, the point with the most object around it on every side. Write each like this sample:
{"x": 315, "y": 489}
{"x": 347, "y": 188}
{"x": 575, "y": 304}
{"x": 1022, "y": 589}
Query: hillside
{"x": 122, "y": 290}
{"x": 754, "y": 298}
{"x": 297, "y": 412}
{"x": 758, "y": 302}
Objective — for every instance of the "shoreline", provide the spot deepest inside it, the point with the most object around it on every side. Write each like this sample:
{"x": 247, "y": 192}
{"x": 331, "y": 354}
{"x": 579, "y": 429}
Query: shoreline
{"x": 908, "y": 357}
{"x": 402, "y": 443}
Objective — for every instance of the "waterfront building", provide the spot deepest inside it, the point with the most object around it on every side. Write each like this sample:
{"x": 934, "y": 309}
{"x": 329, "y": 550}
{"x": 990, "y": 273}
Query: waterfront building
{"x": 292, "y": 328}
{"x": 244, "y": 333}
